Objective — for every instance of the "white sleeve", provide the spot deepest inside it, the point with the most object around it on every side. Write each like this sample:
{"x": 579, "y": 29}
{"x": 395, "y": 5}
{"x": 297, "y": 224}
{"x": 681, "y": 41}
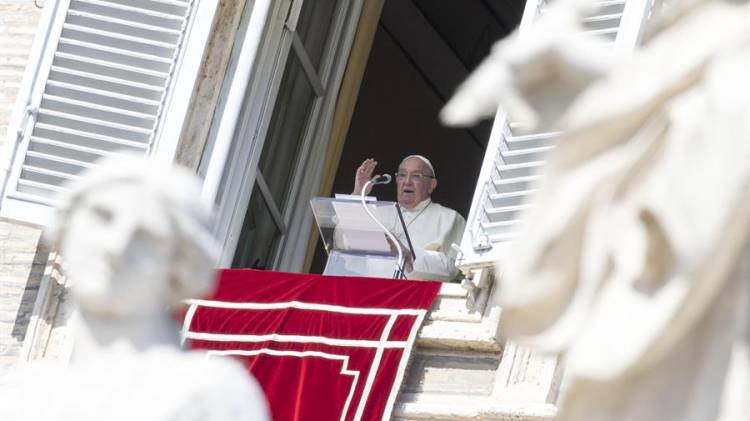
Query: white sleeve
{"x": 439, "y": 264}
{"x": 433, "y": 265}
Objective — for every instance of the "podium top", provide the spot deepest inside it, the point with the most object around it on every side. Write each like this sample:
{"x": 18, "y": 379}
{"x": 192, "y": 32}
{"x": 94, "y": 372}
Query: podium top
{"x": 345, "y": 225}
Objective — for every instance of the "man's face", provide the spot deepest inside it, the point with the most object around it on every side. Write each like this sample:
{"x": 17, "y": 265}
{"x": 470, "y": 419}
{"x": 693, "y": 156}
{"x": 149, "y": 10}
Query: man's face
{"x": 417, "y": 185}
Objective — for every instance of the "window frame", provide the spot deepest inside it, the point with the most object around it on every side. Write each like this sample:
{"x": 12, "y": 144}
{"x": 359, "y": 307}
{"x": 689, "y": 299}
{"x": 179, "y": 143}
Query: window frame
{"x": 230, "y": 164}
{"x": 477, "y": 249}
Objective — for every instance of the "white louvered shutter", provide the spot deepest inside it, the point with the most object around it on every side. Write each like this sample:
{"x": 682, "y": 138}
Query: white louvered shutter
{"x": 513, "y": 161}
{"x": 100, "y": 84}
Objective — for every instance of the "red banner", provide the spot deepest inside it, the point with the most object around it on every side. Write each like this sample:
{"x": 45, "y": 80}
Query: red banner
{"x": 322, "y": 347}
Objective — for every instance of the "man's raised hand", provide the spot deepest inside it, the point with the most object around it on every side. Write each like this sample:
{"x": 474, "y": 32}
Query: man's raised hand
{"x": 363, "y": 175}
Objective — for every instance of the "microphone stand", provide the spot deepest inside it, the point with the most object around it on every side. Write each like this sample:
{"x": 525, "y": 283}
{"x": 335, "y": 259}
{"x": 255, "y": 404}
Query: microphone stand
{"x": 406, "y": 231}
{"x": 399, "y": 273}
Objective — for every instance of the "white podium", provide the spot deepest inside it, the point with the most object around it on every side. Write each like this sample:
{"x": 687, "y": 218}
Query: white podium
{"x": 355, "y": 244}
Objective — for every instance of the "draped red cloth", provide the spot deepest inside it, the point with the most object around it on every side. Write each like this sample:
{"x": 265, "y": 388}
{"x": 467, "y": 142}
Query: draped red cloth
{"x": 322, "y": 347}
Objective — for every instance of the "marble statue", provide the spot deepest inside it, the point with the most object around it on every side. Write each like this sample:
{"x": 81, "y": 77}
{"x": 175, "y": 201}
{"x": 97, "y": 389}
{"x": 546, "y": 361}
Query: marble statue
{"x": 633, "y": 263}
{"x": 136, "y": 242}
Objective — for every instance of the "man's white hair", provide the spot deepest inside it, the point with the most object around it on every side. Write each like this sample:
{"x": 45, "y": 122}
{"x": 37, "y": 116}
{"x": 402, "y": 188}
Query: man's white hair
{"x": 424, "y": 160}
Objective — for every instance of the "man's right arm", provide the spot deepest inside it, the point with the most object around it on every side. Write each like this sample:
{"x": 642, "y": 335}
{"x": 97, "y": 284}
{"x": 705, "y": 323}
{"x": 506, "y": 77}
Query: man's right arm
{"x": 363, "y": 175}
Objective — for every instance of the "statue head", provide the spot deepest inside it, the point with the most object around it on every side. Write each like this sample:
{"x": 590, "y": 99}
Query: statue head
{"x": 135, "y": 237}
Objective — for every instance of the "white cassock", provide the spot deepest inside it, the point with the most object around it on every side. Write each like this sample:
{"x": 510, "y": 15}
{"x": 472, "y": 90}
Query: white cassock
{"x": 432, "y": 229}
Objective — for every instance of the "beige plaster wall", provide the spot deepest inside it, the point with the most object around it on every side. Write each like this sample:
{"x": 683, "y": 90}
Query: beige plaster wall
{"x": 18, "y": 22}
{"x": 22, "y": 263}
{"x": 22, "y": 258}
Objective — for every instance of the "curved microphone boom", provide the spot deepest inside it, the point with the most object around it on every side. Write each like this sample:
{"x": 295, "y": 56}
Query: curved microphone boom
{"x": 384, "y": 179}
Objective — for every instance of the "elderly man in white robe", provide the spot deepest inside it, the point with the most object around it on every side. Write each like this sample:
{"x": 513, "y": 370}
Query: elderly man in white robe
{"x": 432, "y": 228}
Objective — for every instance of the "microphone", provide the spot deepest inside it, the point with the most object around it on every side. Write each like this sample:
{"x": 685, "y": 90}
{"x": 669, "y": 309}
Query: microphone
{"x": 383, "y": 179}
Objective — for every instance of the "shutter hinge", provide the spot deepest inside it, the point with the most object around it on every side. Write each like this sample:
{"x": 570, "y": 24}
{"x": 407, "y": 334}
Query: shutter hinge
{"x": 483, "y": 243}
{"x": 7, "y": 164}
{"x": 28, "y": 112}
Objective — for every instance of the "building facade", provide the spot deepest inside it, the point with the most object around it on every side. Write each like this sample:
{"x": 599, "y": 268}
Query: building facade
{"x": 263, "y": 98}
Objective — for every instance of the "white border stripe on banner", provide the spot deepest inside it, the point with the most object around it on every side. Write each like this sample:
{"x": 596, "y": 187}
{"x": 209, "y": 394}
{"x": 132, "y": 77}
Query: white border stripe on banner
{"x": 374, "y": 366}
{"x": 380, "y": 345}
{"x": 186, "y": 324}
{"x": 402, "y": 366}
{"x": 275, "y": 337}
{"x": 303, "y": 306}
{"x": 302, "y": 354}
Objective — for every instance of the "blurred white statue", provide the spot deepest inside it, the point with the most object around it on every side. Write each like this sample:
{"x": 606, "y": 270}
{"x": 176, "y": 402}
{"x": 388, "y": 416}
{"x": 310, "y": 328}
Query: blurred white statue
{"x": 633, "y": 263}
{"x": 534, "y": 76}
{"x": 136, "y": 242}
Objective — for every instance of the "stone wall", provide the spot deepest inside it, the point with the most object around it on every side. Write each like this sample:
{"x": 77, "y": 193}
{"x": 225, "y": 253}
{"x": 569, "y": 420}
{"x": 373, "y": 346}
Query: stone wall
{"x": 22, "y": 257}
{"x": 22, "y": 263}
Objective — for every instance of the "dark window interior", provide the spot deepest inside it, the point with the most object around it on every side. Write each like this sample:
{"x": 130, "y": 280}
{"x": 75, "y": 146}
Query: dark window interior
{"x": 422, "y": 51}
